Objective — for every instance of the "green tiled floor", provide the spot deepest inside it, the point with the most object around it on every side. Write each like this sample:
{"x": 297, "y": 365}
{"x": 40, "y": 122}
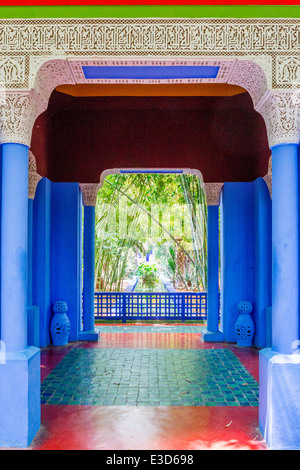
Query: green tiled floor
{"x": 150, "y": 377}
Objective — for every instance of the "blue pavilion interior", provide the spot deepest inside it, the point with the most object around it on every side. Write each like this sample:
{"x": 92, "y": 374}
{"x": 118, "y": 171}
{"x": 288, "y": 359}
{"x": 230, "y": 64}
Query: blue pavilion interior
{"x": 232, "y": 121}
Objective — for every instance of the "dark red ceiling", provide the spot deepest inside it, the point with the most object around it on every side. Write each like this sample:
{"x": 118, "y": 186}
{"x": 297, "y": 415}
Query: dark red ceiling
{"x": 79, "y": 137}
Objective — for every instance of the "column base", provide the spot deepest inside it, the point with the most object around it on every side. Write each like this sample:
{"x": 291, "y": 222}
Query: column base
{"x": 20, "y": 399}
{"x": 92, "y": 335}
{"x": 212, "y": 336}
{"x": 279, "y": 405}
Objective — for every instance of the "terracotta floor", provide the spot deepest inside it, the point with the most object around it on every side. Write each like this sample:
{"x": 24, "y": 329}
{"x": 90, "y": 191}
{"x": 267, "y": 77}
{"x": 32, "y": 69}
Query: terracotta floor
{"x": 140, "y": 388}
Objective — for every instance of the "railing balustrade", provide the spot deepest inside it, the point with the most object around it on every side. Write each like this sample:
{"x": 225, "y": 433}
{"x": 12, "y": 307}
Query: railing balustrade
{"x": 125, "y": 306}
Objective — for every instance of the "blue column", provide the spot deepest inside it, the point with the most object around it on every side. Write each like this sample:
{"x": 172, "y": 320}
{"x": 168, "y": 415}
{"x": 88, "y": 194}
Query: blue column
{"x": 89, "y": 332}
{"x": 41, "y": 263}
{"x": 65, "y": 250}
{"x": 285, "y": 233}
{"x": 33, "y": 312}
{"x": 14, "y": 246}
{"x": 262, "y": 262}
{"x": 212, "y": 333}
{"x": 279, "y": 410}
{"x": 20, "y": 375}
{"x": 237, "y": 253}
{"x": 30, "y": 224}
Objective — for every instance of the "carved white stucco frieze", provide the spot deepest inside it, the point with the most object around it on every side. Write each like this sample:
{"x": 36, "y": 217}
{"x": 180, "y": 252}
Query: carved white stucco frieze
{"x": 250, "y": 76}
{"x": 18, "y": 112}
{"x": 48, "y": 76}
{"x": 31, "y": 162}
{"x": 281, "y": 112}
{"x": 23, "y": 42}
{"x": 12, "y": 70}
{"x": 37, "y": 55}
{"x": 213, "y": 193}
{"x": 288, "y": 71}
{"x": 268, "y": 177}
{"x": 89, "y": 193}
{"x": 33, "y": 176}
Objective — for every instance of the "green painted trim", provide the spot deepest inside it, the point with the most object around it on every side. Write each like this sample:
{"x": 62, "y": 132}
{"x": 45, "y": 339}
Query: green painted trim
{"x": 152, "y": 11}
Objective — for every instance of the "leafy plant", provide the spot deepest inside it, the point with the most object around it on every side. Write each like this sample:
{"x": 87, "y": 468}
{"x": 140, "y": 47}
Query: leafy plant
{"x": 182, "y": 258}
{"x": 148, "y": 275}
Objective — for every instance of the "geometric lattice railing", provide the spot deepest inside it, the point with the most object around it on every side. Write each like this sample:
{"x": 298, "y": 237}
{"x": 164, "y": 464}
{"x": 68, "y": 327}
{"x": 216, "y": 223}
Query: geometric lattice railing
{"x": 150, "y": 306}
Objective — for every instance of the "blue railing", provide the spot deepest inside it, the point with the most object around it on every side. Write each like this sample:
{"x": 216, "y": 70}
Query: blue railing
{"x": 125, "y": 306}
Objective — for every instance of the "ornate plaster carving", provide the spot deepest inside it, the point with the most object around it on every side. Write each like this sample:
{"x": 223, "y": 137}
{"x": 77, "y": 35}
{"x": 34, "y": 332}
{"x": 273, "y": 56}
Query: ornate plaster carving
{"x": 281, "y": 112}
{"x": 268, "y": 177}
{"x": 18, "y": 111}
{"x": 33, "y": 176}
{"x": 288, "y": 71}
{"x": 49, "y": 75}
{"x": 89, "y": 193}
{"x": 36, "y": 55}
{"x": 23, "y": 40}
{"x": 213, "y": 192}
{"x": 12, "y": 70}
{"x": 31, "y": 162}
{"x": 250, "y": 76}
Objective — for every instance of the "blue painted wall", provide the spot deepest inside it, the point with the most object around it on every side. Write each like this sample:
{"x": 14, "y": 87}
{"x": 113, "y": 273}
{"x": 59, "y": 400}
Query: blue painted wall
{"x": 66, "y": 250}
{"x": 41, "y": 274}
{"x": 56, "y": 267}
{"x": 33, "y": 312}
{"x": 237, "y": 264}
{"x": 262, "y": 210}
{"x": 245, "y": 254}
{"x": 29, "y": 269}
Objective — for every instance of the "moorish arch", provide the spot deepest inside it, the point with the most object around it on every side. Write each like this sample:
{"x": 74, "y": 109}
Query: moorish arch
{"x": 260, "y": 56}
{"x": 39, "y": 55}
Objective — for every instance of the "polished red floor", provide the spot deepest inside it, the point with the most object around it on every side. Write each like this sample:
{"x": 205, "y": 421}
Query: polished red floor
{"x": 83, "y": 427}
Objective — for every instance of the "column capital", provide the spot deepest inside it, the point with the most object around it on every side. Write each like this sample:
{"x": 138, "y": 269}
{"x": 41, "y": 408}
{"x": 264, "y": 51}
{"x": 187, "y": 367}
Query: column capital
{"x": 18, "y": 112}
{"x": 281, "y": 112}
{"x": 89, "y": 193}
{"x": 33, "y": 176}
{"x": 213, "y": 191}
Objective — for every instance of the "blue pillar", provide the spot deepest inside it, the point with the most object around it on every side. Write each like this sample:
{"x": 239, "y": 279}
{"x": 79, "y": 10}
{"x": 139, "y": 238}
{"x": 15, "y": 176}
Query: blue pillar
{"x": 65, "y": 250}
{"x": 20, "y": 374}
{"x": 41, "y": 265}
{"x": 279, "y": 411}
{"x": 33, "y": 312}
{"x": 14, "y": 246}
{"x": 285, "y": 314}
{"x": 30, "y": 224}
{"x": 237, "y": 253}
{"x": 89, "y": 332}
{"x": 262, "y": 294}
{"x": 212, "y": 333}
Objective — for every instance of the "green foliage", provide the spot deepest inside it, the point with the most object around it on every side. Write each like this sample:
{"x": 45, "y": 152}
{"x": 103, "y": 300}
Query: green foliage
{"x": 147, "y": 205}
{"x": 148, "y": 275}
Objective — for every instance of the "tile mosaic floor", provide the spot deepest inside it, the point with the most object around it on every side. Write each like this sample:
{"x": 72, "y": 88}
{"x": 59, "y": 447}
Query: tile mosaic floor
{"x": 158, "y": 387}
{"x": 150, "y": 377}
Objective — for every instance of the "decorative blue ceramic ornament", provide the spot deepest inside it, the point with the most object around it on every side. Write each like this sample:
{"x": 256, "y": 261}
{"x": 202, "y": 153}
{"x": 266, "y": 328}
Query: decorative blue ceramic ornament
{"x": 244, "y": 326}
{"x": 60, "y": 324}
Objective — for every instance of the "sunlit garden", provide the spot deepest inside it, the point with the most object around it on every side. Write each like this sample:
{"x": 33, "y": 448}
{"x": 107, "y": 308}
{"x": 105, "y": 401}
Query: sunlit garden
{"x": 151, "y": 234}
